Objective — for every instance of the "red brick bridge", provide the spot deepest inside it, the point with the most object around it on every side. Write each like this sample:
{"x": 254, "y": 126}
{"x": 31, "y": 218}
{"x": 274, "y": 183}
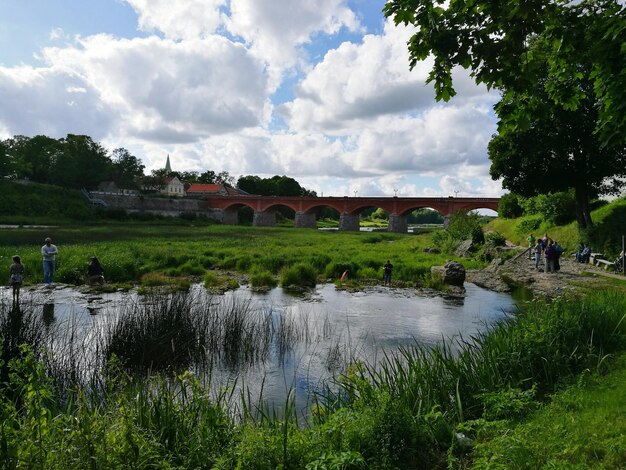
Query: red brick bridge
{"x": 349, "y": 208}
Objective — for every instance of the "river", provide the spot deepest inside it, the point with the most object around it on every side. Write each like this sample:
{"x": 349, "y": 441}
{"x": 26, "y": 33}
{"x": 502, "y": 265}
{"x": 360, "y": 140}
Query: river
{"x": 326, "y": 328}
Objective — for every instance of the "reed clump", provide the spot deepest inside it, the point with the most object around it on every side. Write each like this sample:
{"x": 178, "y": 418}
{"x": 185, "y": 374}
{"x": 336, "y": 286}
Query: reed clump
{"x": 299, "y": 275}
{"x": 262, "y": 279}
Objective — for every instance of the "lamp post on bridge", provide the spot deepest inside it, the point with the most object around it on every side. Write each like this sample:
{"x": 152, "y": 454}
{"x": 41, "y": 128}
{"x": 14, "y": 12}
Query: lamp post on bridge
{"x": 395, "y": 191}
{"x": 456, "y": 192}
{"x": 355, "y": 192}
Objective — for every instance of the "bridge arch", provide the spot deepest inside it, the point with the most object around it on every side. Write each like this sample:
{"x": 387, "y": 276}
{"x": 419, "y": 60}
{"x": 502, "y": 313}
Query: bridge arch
{"x": 349, "y": 208}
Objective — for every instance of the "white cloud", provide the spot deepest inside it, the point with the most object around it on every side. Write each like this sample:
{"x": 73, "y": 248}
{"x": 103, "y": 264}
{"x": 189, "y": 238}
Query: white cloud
{"x": 189, "y": 19}
{"x": 275, "y": 29}
{"x": 53, "y": 102}
{"x": 57, "y": 33}
{"x": 360, "y": 81}
{"x": 171, "y": 91}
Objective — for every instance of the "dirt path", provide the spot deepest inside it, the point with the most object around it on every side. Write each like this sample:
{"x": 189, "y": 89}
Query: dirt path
{"x": 521, "y": 271}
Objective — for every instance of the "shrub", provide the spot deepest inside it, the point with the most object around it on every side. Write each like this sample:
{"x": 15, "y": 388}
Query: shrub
{"x": 557, "y": 208}
{"x": 528, "y": 224}
{"x": 464, "y": 226}
{"x": 300, "y": 274}
{"x": 495, "y": 239}
{"x": 260, "y": 278}
{"x": 445, "y": 242}
{"x": 335, "y": 270}
{"x": 211, "y": 279}
{"x": 509, "y": 206}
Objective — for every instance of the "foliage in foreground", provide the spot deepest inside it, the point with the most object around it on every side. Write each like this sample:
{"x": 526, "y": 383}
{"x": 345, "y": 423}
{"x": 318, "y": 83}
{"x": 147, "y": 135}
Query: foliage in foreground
{"x": 405, "y": 413}
{"x": 570, "y": 432}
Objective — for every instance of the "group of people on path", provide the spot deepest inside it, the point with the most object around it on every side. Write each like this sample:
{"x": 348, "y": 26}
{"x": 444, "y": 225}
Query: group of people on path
{"x": 49, "y": 252}
{"x": 549, "y": 249}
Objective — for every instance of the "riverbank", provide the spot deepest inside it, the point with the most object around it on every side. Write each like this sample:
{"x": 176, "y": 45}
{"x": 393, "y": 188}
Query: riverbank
{"x": 582, "y": 426}
{"x": 521, "y": 272}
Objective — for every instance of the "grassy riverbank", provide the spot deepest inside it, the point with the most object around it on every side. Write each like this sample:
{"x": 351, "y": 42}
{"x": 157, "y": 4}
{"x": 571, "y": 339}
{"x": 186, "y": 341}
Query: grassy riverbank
{"x": 131, "y": 252}
{"x": 583, "y": 426}
{"x": 605, "y": 236}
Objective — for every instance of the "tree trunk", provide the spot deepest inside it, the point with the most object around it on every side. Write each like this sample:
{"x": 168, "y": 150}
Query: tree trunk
{"x": 583, "y": 213}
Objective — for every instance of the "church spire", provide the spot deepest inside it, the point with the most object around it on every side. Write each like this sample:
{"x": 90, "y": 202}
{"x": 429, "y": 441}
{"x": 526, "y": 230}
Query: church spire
{"x": 168, "y": 167}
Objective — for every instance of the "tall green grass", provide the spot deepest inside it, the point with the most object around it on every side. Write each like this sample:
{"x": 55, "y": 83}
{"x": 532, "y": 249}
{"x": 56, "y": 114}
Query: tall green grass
{"x": 129, "y": 252}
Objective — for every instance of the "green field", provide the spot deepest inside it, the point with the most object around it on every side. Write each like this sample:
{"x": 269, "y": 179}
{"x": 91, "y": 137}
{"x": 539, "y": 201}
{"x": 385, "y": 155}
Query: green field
{"x": 130, "y": 252}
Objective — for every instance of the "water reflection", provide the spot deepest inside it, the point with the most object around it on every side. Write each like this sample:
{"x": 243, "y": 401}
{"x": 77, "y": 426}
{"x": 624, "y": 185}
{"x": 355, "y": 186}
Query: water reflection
{"x": 48, "y": 314}
{"x": 308, "y": 337}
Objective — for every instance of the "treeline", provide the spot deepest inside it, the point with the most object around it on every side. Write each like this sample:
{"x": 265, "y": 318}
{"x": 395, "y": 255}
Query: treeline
{"x": 77, "y": 161}
{"x": 274, "y": 186}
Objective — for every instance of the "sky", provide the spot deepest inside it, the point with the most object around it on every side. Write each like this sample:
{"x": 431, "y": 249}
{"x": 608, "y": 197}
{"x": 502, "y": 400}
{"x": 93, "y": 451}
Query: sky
{"x": 318, "y": 90}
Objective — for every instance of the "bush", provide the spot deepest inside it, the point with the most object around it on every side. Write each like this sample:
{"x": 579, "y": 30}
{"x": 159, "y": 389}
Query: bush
{"x": 300, "y": 274}
{"x": 495, "y": 239}
{"x": 528, "y": 225}
{"x": 465, "y": 226}
{"x": 510, "y": 207}
{"x": 261, "y": 278}
{"x": 335, "y": 270}
{"x": 557, "y": 208}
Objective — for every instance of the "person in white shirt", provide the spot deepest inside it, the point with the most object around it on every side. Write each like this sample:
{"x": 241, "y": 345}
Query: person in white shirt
{"x": 49, "y": 252}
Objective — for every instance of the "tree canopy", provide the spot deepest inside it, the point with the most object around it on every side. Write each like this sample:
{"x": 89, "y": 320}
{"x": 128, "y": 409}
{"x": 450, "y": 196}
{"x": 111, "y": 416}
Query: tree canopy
{"x": 492, "y": 39}
{"x": 557, "y": 148}
{"x": 274, "y": 186}
{"x": 561, "y": 69}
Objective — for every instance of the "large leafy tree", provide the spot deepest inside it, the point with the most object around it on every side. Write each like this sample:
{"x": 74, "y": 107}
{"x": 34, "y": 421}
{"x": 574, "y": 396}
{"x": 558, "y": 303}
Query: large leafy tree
{"x": 80, "y": 162}
{"x": 33, "y": 158}
{"x": 492, "y": 39}
{"x": 557, "y": 148}
{"x": 210, "y": 177}
{"x": 561, "y": 69}
{"x": 126, "y": 169}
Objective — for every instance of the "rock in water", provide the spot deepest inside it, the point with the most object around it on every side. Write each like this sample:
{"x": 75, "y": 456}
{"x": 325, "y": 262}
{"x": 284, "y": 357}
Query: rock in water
{"x": 454, "y": 273}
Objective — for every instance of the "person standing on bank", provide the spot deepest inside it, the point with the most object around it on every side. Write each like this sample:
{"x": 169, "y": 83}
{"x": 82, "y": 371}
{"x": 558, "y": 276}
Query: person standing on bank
{"x": 16, "y": 272}
{"x": 549, "y": 254}
{"x": 538, "y": 250}
{"x": 531, "y": 245}
{"x": 49, "y": 253}
{"x": 387, "y": 269}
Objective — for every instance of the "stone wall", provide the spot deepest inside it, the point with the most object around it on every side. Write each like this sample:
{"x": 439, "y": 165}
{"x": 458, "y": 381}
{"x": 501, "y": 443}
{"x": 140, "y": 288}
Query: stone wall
{"x": 171, "y": 207}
